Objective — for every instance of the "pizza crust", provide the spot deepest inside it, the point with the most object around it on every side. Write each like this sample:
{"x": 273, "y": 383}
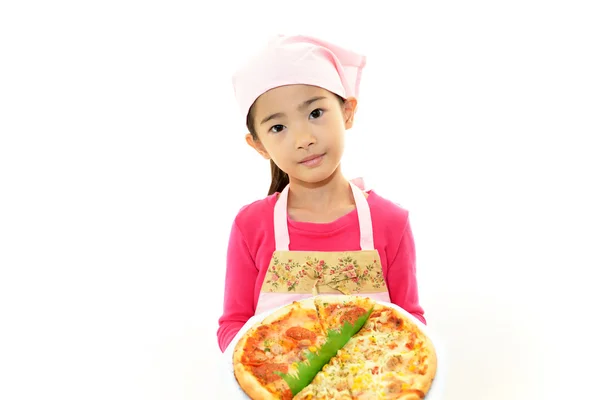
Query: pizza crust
{"x": 256, "y": 390}
{"x": 251, "y": 386}
{"x": 341, "y": 299}
{"x": 429, "y": 375}
{"x": 247, "y": 381}
{"x": 305, "y": 304}
{"x": 421, "y": 382}
{"x": 238, "y": 351}
{"x": 409, "y": 396}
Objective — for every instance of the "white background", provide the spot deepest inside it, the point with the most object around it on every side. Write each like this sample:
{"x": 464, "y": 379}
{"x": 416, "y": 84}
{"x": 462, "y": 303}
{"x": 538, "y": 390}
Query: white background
{"x": 123, "y": 164}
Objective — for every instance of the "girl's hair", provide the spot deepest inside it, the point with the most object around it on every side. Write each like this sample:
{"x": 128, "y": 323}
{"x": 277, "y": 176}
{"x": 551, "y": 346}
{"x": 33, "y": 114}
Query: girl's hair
{"x": 279, "y": 179}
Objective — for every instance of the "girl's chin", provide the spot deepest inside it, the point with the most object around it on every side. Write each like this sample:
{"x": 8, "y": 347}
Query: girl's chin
{"x": 315, "y": 177}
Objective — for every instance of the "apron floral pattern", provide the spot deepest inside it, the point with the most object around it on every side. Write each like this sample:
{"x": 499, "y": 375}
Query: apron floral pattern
{"x": 295, "y": 275}
{"x": 347, "y": 274}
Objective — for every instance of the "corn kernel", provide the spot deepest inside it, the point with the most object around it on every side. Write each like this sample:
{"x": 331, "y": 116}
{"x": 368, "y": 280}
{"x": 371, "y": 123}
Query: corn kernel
{"x": 312, "y": 348}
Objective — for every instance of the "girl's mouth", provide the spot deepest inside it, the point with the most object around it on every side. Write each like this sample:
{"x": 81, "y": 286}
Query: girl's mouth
{"x": 312, "y": 161}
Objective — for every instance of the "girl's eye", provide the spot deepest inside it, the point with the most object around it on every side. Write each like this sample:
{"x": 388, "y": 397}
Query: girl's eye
{"x": 316, "y": 113}
{"x": 276, "y": 128}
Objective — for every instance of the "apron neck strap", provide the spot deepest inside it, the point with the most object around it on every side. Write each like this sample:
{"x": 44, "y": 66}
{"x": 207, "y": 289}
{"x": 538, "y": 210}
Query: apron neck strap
{"x": 282, "y": 235}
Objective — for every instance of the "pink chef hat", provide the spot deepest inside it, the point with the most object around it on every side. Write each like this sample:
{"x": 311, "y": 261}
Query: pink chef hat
{"x": 288, "y": 60}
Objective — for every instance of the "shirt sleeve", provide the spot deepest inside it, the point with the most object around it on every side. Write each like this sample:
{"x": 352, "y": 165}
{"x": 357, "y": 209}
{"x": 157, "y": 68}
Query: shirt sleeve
{"x": 402, "y": 276}
{"x": 240, "y": 279}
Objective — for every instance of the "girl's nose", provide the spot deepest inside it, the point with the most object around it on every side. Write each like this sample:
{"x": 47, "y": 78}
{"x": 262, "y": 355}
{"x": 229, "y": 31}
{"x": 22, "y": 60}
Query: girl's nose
{"x": 304, "y": 139}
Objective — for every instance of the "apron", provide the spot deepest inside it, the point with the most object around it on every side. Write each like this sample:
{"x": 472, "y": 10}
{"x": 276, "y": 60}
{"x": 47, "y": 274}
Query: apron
{"x": 297, "y": 275}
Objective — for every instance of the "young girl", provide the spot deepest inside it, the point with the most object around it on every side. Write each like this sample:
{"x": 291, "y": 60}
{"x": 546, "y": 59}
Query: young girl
{"x": 316, "y": 232}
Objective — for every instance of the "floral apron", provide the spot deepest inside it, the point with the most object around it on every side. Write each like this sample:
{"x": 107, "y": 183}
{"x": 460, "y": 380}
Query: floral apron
{"x": 296, "y": 275}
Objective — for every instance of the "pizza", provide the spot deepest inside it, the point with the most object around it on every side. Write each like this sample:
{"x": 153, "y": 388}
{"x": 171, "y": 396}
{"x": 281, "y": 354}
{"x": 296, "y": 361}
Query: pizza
{"x": 271, "y": 346}
{"x": 335, "y": 347}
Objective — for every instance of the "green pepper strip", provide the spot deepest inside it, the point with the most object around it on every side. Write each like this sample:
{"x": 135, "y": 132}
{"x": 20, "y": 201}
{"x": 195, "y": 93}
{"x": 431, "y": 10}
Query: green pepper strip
{"x": 315, "y": 361}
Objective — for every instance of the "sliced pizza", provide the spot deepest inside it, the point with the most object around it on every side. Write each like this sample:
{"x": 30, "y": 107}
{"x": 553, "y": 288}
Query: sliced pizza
{"x": 332, "y": 382}
{"x": 335, "y": 310}
{"x": 272, "y": 347}
{"x": 335, "y": 347}
{"x": 405, "y": 356}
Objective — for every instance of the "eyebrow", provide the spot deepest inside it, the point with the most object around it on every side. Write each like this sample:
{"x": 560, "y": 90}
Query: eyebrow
{"x": 300, "y": 108}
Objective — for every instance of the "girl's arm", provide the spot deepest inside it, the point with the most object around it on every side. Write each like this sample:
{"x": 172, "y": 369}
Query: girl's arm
{"x": 240, "y": 279}
{"x": 402, "y": 277}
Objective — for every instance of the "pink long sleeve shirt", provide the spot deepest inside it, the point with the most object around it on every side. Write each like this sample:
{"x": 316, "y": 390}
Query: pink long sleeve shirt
{"x": 252, "y": 243}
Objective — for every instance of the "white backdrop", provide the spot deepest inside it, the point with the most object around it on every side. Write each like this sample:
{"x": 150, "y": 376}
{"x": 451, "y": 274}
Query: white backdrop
{"x": 123, "y": 164}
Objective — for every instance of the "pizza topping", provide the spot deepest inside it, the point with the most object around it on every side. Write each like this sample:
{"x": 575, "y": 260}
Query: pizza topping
{"x": 262, "y": 332}
{"x": 395, "y": 387}
{"x": 352, "y": 315}
{"x": 266, "y": 372}
{"x": 384, "y": 317}
{"x": 275, "y": 349}
{"x": 330, "y": 308}
{"x": 335, "y": 341}
{"x": 255, "y": 357}
{"x": 360, "y": 381}
{"x": 395, "y": 322}
{"x": 286, "y": 342}
{"x": 301, "y": 334}
{"x": 285, "y": 393}
{"x": 314, "y": 354}
{"x": 415, "y": 391}
{"x": 393, "y": 362}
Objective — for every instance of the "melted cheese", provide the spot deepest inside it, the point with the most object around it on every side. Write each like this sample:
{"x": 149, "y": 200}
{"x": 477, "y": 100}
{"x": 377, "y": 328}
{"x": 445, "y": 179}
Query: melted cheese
{"x": 381, "y": 359}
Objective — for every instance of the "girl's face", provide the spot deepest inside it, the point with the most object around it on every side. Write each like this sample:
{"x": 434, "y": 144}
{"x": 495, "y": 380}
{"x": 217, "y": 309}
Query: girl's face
{"x": 301, "y": 128}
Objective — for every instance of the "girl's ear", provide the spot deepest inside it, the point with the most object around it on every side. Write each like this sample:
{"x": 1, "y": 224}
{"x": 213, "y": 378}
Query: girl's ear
{"x": 349, "y": 110}
{"x": 257, "y": 145}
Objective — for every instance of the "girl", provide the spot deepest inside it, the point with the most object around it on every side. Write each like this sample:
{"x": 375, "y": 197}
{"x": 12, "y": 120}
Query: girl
{"x": 315, "y": 233}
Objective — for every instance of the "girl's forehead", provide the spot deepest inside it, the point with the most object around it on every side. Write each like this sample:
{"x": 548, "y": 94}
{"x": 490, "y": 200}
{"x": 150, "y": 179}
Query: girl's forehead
{"x": 289, "y": 96}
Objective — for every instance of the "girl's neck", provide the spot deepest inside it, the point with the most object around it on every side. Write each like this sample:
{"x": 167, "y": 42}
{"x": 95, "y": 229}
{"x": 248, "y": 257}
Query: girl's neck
{"x": 331, "y": 194}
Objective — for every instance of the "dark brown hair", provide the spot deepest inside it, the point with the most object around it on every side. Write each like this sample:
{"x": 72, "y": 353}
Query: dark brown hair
{"x": 279, "y": 179}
